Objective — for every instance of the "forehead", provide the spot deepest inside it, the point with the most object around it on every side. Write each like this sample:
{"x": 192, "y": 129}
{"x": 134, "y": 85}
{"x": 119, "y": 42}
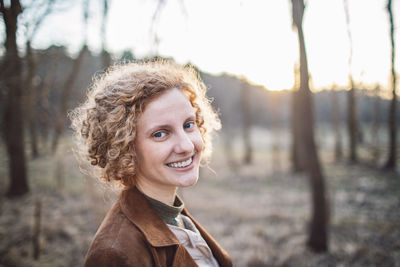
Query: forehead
{"x": 169, "y": 106}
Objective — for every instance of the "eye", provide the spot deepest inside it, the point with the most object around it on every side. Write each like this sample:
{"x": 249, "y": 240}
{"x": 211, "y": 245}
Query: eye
{"x": 159, "y": 135}
{"x": 189, "y": 125}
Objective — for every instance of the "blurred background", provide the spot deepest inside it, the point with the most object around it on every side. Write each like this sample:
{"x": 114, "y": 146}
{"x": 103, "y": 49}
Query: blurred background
{"x": 305, "y": 170}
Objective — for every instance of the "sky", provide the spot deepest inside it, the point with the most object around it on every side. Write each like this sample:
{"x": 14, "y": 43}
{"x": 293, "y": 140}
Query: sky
{"x": 250, "y": 38}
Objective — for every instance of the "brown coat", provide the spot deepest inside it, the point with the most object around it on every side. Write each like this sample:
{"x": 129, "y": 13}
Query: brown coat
{"x": 132, "y": 234}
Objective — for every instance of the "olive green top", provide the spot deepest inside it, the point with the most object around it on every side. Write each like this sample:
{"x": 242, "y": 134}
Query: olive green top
{"x": 169, "y": 214}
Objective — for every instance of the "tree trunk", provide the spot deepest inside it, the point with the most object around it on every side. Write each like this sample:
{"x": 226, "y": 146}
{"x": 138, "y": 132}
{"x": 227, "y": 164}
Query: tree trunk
{"x": 352, "y": 124}
{"x": 298, "y": 159}
{"x": 105, "y": 59}
{"x": 318, "y": 238}
{"x": 318, "y": 229}
{"x": 105, "y": 56}
{"x": 13, "y": 120}
{"x": 244, "y": 100}
{"x": 297, "y": 165}
{"x": 31, "y": 97}
{"x": 229, "y": 150}
{"x": 375, "y": 127}
{"x": 65, "y": 96}
{"x": 336, "y": 125}
{"x": 276, "y": 156}
{"x": 391, "y": 162}
{"x": 44, "y": 93}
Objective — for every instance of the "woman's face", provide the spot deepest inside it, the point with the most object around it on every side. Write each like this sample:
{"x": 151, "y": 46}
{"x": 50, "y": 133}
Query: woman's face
{"x": 168, "y": 143}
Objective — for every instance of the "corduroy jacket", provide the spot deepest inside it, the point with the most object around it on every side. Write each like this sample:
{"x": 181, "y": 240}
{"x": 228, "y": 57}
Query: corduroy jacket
{"x": 133, "y": 234}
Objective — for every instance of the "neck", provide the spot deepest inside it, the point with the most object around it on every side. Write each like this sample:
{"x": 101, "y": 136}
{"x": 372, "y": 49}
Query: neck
{"x": 165, "y": 194}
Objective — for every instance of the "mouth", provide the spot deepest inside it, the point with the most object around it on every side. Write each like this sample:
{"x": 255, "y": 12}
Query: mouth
{"x": 181, "y": 164}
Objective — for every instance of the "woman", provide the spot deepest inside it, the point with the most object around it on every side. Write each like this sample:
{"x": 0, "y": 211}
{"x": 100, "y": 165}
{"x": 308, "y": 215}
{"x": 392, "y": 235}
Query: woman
{"x": 147, "y": 126}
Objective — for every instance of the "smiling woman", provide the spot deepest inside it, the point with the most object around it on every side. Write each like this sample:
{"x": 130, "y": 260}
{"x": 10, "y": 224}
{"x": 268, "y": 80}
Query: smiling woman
{"x": 148, "y": 126}
{"x": 169, "y": 146}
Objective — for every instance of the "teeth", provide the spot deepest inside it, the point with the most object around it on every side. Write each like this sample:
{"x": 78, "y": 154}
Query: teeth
{"x": 180, "y": 164}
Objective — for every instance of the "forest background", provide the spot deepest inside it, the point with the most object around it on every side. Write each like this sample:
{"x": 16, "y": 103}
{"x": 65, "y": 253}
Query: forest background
{"x": 299, "y": 177}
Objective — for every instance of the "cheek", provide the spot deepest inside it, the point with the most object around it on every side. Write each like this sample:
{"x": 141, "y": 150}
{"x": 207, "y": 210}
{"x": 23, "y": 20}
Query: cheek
{"x": 198, "y": 142}
{"x": 156, "y": 153}
{"x": 145, "y": 153}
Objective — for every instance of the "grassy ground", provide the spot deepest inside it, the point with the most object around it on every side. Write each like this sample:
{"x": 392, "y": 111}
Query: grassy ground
{"x": 259, "y": 212}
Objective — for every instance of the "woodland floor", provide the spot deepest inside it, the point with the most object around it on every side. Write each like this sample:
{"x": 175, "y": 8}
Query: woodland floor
{"x": 260, "y": 217}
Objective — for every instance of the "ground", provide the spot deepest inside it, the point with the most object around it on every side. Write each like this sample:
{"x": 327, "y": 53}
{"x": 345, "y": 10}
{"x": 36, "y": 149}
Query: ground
{"x": 259, "y": 212}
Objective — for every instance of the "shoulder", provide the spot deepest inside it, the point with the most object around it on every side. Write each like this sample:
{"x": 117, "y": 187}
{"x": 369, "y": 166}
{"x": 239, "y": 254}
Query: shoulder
{"x": 118, "y": 242}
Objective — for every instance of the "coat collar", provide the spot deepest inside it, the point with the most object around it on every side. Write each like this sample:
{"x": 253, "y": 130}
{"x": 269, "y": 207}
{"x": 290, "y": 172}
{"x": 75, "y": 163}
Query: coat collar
{"x": 140, "y": 212}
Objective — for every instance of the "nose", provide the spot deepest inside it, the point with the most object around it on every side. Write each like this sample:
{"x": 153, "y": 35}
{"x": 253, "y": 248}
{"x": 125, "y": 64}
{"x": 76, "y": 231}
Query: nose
{"x": 183, "y": 144}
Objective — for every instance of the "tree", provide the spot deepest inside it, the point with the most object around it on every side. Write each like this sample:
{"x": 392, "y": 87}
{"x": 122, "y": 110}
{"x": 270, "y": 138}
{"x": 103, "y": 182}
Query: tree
{"x": 31, "y": 97}
{"x": 65, "y": 97}
{"x": 275, "y": 105}
{"x": 376, "y": 126}
{"x": 295, "y": 123}
{"x": 11, "y": 76}
{"x": 318, "y": 236}
{"x": 69, "y": 83}
{"x": 391, "y": 161}
{"x": 105, "y": 56}
{"x": 246, "y": 112}
{"x": 336, "y": 125}
{"x": 32, "y": 23}
{"x": 351, "y": 102}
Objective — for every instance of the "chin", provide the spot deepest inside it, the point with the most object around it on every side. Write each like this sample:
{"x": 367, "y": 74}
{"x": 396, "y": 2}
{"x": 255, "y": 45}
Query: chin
{"x": 188, "y": 181}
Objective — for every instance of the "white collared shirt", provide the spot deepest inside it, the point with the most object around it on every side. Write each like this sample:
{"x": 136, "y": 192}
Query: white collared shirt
{"x": 194, "y": 243}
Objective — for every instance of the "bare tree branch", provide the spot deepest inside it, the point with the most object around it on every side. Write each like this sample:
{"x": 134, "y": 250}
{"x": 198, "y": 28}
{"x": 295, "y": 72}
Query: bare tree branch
{"x": 46, "y": 12}
{"x": 85, "y": 20}
{"x": 104, "y": 23}
{"x": 346, "y": 10}
{"x": 392, "y": 157}
{"x": 156, "y": 17}
{"x": 2, "y": 9}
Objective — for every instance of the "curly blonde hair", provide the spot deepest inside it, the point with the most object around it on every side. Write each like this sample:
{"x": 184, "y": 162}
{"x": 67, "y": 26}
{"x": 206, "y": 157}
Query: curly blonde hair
{"x": 105, "y": 125}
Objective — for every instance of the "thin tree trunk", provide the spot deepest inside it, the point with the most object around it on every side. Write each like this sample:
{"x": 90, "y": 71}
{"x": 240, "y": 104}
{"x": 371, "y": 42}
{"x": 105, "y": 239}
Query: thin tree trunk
{"x": 391, "y": 161}
{"x": 336, "y": 125}
{"x": 44, "y": 92}
{"x": 299, "y": 160}
{"x": 13, "y": 120}
{"x": 66, "y": 92}
{"x": 352, "y": 124}
{"x": 229, "y": 151}
{"x": 105, "y": 56}
{"x": 375, "y": 127}
{"x": 244, "y": 100}
{"x": 351, "y": 97}
{"x": 65, "y": 96}
{"x": 276, "y": 156}
{"x": 297, "y": 165}
{"x": 31, "y": 100}
{"x": 318, "y": 237}
{"x": 105, "y": 59}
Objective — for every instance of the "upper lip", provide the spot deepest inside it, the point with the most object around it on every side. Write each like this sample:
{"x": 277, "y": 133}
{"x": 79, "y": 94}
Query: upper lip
{"x": 181, "y": 160}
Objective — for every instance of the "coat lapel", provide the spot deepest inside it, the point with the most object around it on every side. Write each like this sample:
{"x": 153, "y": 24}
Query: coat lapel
{"x": 139, "y": 211}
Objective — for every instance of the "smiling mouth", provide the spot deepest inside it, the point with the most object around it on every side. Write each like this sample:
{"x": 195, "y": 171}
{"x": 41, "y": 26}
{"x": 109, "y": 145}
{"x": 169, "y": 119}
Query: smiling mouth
{"x": 181, "y": 164}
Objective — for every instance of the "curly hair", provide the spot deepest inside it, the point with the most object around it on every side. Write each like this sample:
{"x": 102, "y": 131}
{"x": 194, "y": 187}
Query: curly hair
{"x": 105, "y": 125}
